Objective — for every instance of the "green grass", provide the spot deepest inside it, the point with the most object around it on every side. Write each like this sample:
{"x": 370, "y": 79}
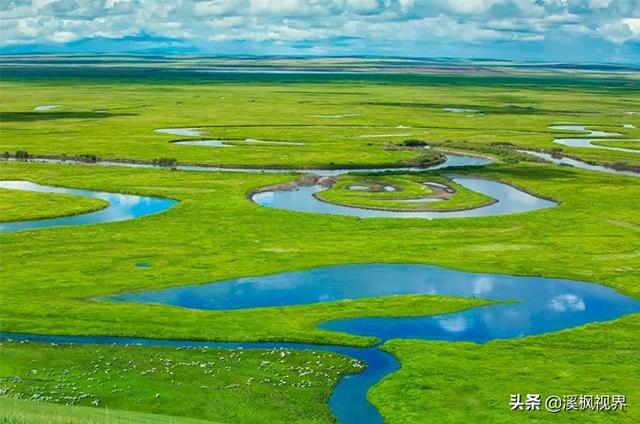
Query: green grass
{"x": 248, "y": 107}
{"x": 31, "y": 412}
{"x": 23, "y": 205}
{"x": 467, "y": 382}
{"x": 55, "y": 280}
{"x": 628, "y": 144}
{"x": 212, "y": 384}
{"x": 407, "y": 186}
{"x": 216, "y": 233}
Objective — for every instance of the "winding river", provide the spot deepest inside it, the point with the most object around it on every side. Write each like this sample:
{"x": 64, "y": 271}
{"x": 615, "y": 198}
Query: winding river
{"x": 452, "y": 160}
{"x": 588, "y": 142}
{"x": 508, "y": 199}
{"x": 523, "y": 305}
{"x": 563, "y": 160}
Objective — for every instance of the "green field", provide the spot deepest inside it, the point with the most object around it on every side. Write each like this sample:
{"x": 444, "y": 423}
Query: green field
{"x": 58, "y": 280}
{"x": 516, "y": 110}
{"x": 22, "y": 205}
{"x": 625, "y": 144}
{"x": 595, "y": 360}
{"x": 28, "y": 412}
{"x": 212, "y": 384}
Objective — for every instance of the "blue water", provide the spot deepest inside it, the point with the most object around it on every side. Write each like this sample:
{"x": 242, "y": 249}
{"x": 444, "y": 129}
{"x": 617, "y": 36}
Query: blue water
{"x": 126, "y": 206}
{"x": 121, "y": 207}
{"x": 527, "y": 305}
{"x": 348, "y": 400}
{"x": 508, "y": 200}
{"x": 524, "y": 306}
{"x": 536, "y": 305}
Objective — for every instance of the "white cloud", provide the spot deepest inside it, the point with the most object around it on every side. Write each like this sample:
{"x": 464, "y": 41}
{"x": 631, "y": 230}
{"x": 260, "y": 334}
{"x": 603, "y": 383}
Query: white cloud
{"x": 634, "y": 26}
{"x": 219, "y": 7}
{"x": 62, "y": 36}
{"x": 469, "y": 7}
{"x": 453, "y": 324}
{"x": 377, "y": 22}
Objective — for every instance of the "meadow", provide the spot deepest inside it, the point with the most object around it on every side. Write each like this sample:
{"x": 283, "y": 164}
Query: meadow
{"x": 348, "y": 122}
{"x": 224, "y": 386}
{"x": 58, "y": 281}
{"x": 18, "y": 205}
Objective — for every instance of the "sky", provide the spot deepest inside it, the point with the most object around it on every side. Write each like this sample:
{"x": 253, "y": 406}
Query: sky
{"x": 598, "y": 31}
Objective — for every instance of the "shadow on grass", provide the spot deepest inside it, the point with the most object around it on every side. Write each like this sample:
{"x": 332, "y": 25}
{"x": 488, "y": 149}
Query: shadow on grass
{"x": 48, "y": 116}
{"x": 505, "y": 110}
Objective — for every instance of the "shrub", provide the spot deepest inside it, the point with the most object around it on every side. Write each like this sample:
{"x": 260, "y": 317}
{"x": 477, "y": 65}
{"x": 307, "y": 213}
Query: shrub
{"x": 22, "y": 155}
{"x": 624, "y": 166}
{"x": 429, "y": 158}
{"x": 87, "y": 158}
{"x": 506, "y": 152}
{"x": 169, "y": 162}
{"x": 414, "y": 143}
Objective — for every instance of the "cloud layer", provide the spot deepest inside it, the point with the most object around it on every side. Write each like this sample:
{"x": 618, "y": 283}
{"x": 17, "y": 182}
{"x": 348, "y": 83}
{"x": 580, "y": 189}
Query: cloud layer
{"x": 496, "y": 28}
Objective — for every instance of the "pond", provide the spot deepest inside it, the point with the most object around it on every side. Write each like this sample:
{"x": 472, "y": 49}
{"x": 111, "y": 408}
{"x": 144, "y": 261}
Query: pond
{"x": 184, "y": 132}
{"x": 236, "y": 143}
{"x": 523, "y": 306}
{"x": 199, "y": 132}
{"x": 460, "y": 110}
{"x": 45, "y": 108}
{"x": 534, "y": 305}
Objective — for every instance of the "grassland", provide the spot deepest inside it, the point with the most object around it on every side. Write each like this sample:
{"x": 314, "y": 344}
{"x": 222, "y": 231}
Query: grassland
{"x": 211, "y": 384}
{"x": 625, "y": 144}
{"x": 516, "y": 110}
{"x": 23, "y": 205}
{"x": 55, "y": 281}
{"x": 29, "y": 412}
{"x": 466, "y": 382}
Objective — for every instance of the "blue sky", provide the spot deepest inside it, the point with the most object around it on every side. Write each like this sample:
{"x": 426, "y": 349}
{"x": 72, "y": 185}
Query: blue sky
{"x": 539, "y": 30}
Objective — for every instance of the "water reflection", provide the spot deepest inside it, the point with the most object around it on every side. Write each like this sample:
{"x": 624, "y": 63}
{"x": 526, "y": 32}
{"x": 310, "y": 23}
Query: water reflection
{"x": 184, "y": 132}
{"x": 508, "y": 200}
{"x": 565, "y": 302}
{"x": 232, "y": 143}
{"x": 121, "y": 207}
{"x": 529, "y": 305}
{"x": 44, "y": 108}
{"x": 453, "y": 325}
{"x": 208, "y": 143}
